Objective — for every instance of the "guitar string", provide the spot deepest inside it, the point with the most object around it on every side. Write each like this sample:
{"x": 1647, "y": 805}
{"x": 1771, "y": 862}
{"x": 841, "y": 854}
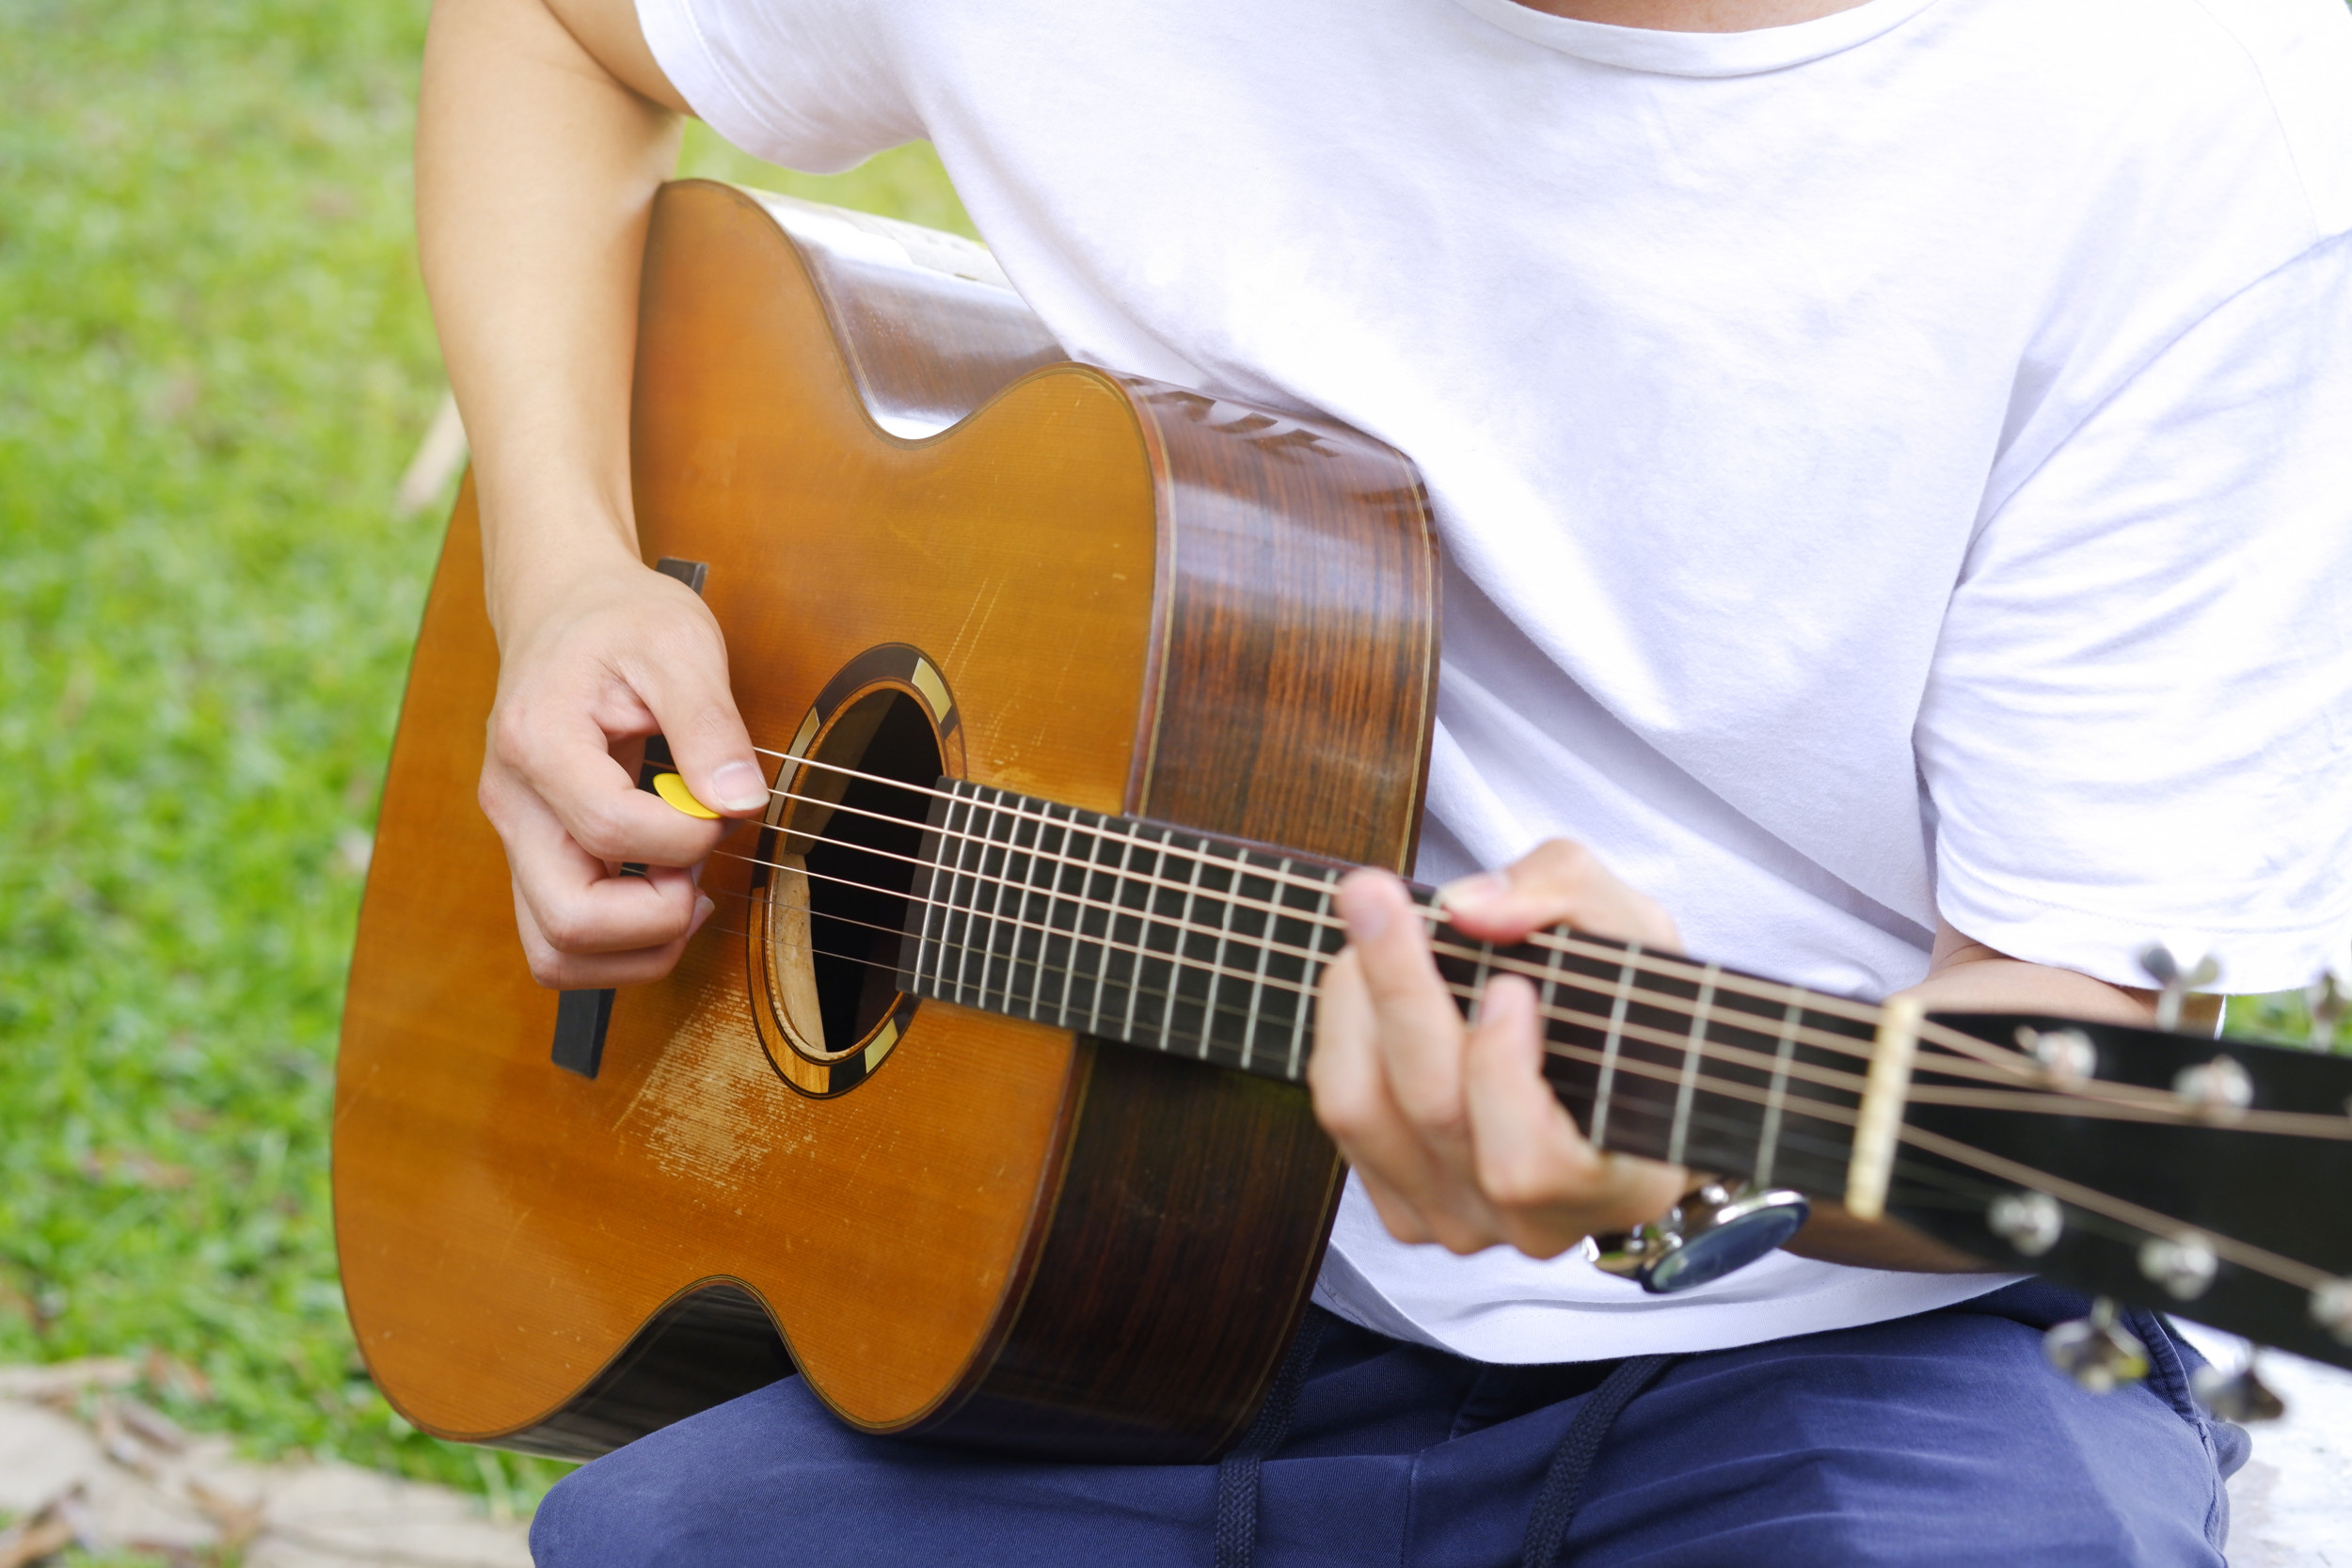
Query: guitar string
{"x": 2154, "y": 1104}
{"x": 1660, "y": 966}
{"x": 1838, "y": 1044}
{"x": 1852, "y": 1083}
{"x": 1739, "y": 1132}
{"x": 2170, "y": 1112}
{"x": 2134, "y": 1218}
{"x": 1845, "y": 1045}
{"x": 1770, "y": 990}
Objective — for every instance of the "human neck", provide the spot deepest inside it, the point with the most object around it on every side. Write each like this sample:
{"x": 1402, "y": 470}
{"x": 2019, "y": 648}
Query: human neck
{"x": 1694, "y": 16}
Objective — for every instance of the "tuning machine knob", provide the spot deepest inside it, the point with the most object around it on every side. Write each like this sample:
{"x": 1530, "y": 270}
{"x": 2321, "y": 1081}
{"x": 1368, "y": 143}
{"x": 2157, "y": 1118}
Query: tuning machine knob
{"x": 2097, "y": 1351}
{"x": 1717, "y": 1229}
{"x": 2030, "y": 1222}
{"x": 2178, "y": 966}
{"x": 2240, "y": 1396}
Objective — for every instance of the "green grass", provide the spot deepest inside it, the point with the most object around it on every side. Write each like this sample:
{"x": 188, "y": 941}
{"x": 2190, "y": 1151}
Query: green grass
{"x": 214, "y": 362}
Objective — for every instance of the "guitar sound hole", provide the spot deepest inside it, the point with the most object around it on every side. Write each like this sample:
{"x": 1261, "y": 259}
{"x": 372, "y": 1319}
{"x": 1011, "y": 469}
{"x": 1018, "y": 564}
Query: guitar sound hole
{"x": 861, "y": 867}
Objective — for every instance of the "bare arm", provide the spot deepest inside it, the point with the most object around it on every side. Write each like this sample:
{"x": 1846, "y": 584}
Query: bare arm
{"x": 544, "y": 129}
{"x": 1457, "y": 1137}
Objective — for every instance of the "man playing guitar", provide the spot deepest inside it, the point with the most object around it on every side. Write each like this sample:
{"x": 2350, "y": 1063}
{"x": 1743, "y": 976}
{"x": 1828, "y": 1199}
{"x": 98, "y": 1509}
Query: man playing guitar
{"x": 1891, "y": 466}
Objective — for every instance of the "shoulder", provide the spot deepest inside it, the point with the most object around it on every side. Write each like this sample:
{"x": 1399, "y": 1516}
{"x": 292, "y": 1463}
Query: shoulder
{"x": 2253, "y": 82}
{"x": 2300, "y": 51}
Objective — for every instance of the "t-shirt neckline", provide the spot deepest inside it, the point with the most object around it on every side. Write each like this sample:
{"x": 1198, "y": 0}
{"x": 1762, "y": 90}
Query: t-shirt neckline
{"x": 1672, "y": 54}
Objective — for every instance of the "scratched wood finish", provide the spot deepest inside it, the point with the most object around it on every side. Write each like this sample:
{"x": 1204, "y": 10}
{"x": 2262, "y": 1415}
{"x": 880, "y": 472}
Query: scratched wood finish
{"x": 1142, "y": 600}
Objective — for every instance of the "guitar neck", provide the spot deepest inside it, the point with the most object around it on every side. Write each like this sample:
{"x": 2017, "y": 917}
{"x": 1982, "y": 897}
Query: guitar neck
{"x": 1166, "y": 940}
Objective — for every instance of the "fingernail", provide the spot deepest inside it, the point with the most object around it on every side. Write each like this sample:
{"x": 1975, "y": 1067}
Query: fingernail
{"x": 1506, "y": 997}
{"x": 1468, "y": 893}
{"x": 703, "y": 906}
{"x": 739, "y": 786}
{"x": 1366, "y": 913}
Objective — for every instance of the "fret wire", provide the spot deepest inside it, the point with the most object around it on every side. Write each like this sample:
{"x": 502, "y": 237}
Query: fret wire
{"x": 1046, "y": 862}
{"x": 987, "y": 844}
{"x": 1304, "y": 1023}
{"x": 2010, "y": 1063}
{"x": 1768, "y": 1141}
{"x": 1007, "y": 880}
{"x": 1067, "y": 825}
{"x": 1607, "y": 1083}
{"x": 1690, "y": 1065}
{"x": 1176, "y": 955}
{"x": 933, "y": 914}
{"x": 1051, "y": 894}
{"x": 1110, "y": 929}
{"x": 1143, "y": 940}
{"x": 1020, "y": 884}
{"x": 971, "y": 845}
{"x": 1257, "y": 982}
{"x": 1217, "y": 964}
{"x": 1547, "y": 997}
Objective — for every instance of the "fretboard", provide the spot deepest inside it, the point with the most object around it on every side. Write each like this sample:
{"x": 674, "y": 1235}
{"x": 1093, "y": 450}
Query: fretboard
{"x": 1171, "y": 941}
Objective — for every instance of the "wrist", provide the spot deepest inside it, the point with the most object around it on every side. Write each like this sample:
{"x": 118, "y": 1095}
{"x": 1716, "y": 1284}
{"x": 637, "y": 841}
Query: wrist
{"x": 541, "y": 561}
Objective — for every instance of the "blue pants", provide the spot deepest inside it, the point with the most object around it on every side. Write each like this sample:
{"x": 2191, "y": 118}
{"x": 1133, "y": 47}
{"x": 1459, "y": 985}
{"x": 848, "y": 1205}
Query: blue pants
{"x": 1943, "y": 1440}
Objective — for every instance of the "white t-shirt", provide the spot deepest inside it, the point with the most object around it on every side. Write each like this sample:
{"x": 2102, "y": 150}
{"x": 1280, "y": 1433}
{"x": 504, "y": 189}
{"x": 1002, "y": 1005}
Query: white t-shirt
{"x": 1891, "y": 464}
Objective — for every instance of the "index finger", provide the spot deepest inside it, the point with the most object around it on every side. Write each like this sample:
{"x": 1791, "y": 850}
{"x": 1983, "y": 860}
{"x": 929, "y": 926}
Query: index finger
{"x": 565, "y": 760}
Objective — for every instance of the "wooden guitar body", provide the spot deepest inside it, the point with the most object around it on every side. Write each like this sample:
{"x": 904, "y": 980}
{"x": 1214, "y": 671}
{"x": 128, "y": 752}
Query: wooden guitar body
{"x": 957, "y": 1226}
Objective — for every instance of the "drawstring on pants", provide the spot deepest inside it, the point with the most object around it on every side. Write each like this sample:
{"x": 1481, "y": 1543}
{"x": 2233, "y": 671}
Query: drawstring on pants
{"x": 1564, "y": 1481}
{"x": 1556, "y": 1499}
{"x": 1237, "y": 1472}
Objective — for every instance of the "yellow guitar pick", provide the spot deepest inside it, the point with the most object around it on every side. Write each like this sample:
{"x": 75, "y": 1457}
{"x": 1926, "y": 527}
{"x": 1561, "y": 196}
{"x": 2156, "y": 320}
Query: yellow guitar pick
{"x": 673, "y": 789}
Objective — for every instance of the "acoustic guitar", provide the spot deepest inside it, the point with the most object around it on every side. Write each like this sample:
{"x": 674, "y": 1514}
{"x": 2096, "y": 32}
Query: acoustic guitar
{"x": 977, "y": 1104}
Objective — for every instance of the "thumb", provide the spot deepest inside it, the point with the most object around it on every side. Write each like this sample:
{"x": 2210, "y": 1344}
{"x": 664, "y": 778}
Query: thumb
{"x": 695, "y": 707}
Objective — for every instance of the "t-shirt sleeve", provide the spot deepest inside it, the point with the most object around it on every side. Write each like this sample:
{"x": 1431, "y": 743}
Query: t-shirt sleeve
{"x": 808, "y": 84}
{"x": 2139, "y": 721}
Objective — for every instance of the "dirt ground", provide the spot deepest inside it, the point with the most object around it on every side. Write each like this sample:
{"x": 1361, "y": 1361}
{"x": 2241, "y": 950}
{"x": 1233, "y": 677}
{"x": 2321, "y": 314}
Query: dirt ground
{"x": 84, "y": 1463}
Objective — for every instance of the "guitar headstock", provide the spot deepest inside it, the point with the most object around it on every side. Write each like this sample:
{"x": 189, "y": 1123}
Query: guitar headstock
{"x": 2207, "y": 1177}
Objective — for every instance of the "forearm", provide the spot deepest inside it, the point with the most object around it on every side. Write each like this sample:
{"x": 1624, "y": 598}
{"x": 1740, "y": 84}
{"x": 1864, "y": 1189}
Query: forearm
{"x": 536, "y": 168}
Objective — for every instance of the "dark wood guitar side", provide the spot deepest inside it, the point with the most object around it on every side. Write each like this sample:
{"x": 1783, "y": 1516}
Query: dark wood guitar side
{"x": 1137, "y": 601}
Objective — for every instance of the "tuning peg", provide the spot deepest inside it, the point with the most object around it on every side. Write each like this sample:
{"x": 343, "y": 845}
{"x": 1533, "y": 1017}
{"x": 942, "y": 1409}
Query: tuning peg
{"x": 2184, "y": 1265}
{"x": 2331, "y": 1308}
{"x": 2178, "y": 965}
{"x": 2218, "y": 1090}
{"x": 2028, "y": 1221}
{"x": 1716, "y": 1228}
{"x": 2330, "y": 998}
{"x": 2240, "y": 1396}
{"x": 2066, "y": 1055}
{"x": 2097, "y": 1351}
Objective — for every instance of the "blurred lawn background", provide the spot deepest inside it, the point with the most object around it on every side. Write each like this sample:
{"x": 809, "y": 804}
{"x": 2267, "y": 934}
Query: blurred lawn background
{"x": 214, "y": 364}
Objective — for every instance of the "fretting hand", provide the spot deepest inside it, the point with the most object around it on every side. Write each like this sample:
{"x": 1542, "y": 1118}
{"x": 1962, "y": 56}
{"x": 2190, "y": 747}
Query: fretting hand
{"x": 1451, "y": 1128}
